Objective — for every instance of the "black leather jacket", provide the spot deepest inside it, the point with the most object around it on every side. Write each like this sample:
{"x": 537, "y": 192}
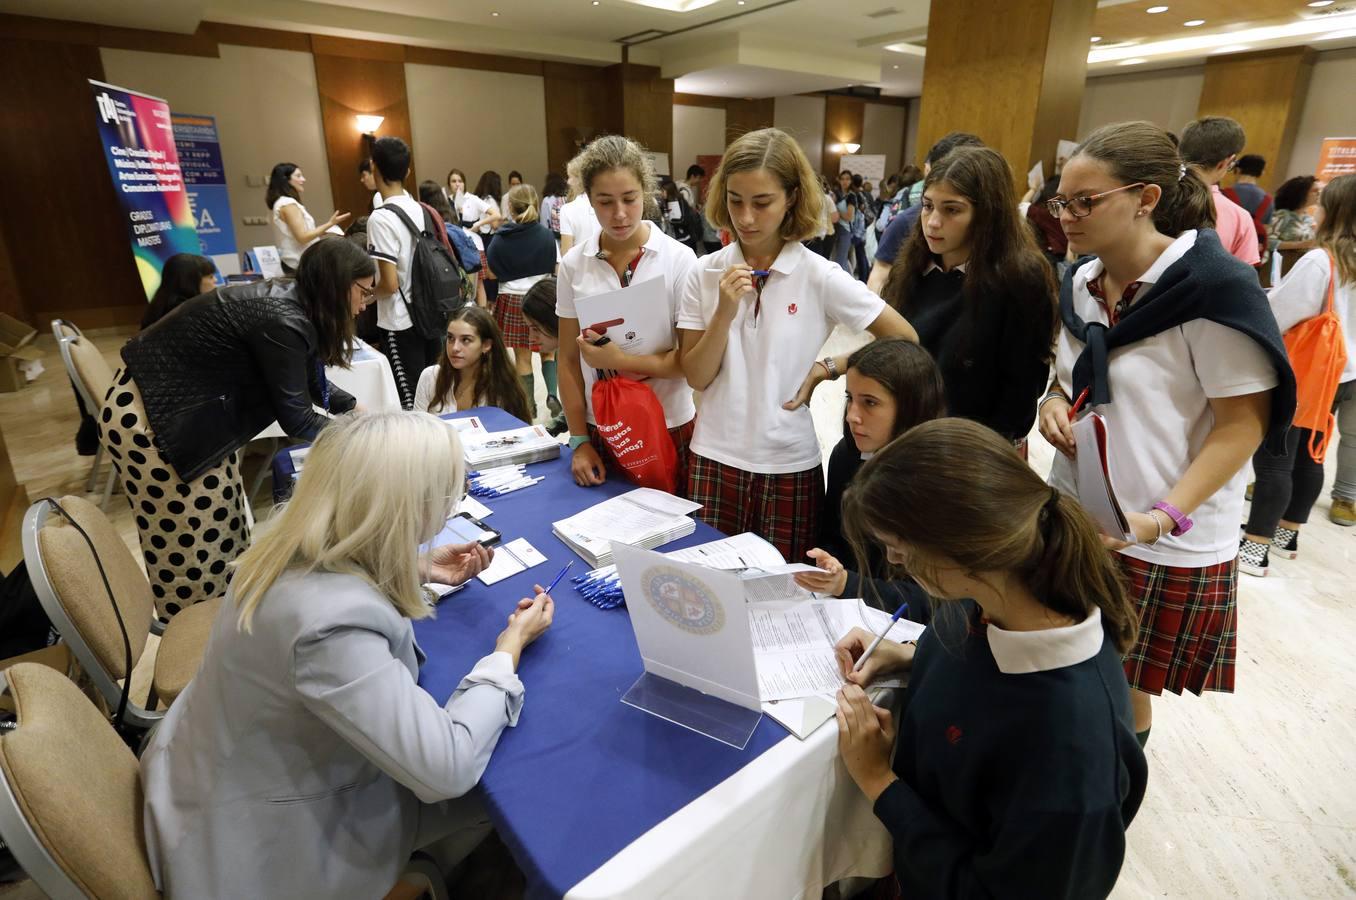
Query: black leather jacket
{"x": 221, "y": 367}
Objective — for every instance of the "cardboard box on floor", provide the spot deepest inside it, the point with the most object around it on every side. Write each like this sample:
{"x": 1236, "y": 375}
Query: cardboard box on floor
{"x": 15, "y": 348}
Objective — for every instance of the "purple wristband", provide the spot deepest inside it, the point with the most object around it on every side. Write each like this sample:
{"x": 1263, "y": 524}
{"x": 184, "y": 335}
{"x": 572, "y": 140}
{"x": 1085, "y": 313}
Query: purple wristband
{"x": 1181, "y": 521}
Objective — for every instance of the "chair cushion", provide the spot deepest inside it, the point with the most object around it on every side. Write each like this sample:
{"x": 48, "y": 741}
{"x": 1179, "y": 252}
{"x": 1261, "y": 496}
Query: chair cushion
{"x": 181, "y": 648}
{"x": 77, "y": 784}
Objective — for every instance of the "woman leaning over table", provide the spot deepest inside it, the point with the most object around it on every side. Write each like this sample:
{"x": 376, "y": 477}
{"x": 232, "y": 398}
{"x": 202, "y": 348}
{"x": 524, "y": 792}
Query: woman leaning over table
{"x": 304, "y": 759}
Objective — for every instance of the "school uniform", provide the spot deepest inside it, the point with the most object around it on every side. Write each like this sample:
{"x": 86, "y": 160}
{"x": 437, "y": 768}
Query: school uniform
{"x": 756, "y": 466}
{"x": 425, "y": 399}
{"x": 877, "y": 584}
{"x": 1018, "y": 767}
{"x": 522, "y": 254}
{"x": 584, "y": 274}
{"x": 578, "y": 220}
{"x": 1155, "y": 393}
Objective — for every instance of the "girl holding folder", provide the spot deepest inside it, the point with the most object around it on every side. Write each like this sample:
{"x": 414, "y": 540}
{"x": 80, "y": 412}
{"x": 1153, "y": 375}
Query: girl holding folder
{"x": 754, "y": 317}
{"x": 1171, "y": 340}
{"x": 618, "y": 178}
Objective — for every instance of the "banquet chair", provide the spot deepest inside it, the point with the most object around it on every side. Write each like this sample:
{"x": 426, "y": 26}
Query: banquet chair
{"x": 66, "y": 574}
{"x": 92, "y": 378}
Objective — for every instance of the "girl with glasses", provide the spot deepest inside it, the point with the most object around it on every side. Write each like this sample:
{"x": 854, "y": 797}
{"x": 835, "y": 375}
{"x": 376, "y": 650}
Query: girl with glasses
{"x": 473, "y": 370}
{"x": 1170, "y": 339}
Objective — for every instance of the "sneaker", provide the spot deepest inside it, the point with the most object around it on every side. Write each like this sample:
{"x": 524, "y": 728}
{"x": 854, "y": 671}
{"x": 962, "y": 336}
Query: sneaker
{"x": 1285, "y": 543}
{"x": 553, "y": 404}
{"x": 557, "y": 425}
{"x": 1253, "y": 558}
{"x": 1343, "y": 512}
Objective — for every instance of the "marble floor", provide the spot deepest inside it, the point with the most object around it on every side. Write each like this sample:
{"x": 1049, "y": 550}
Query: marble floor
{"x": 1251, "y": 795}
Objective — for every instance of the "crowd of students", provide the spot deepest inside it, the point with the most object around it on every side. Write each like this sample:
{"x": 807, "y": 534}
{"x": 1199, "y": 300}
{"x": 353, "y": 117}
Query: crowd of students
{"x": 1046, "y": 640}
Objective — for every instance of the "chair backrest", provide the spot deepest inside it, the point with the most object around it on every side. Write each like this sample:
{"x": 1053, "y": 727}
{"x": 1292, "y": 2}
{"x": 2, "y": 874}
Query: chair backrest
{"x": 68, "y": 584}
{"x": 84, "y": 364}
{"x": 70, "y": 793}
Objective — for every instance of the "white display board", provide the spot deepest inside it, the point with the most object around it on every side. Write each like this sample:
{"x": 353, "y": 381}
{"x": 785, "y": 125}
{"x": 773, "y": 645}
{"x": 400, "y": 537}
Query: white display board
{"x": 871, "y": 166}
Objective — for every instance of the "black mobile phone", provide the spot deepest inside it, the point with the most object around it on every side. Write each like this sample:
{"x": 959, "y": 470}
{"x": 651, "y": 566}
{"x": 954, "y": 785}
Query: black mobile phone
{"x": 466, "y": 528}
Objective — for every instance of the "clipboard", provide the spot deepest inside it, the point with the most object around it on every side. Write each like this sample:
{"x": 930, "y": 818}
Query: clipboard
{"x": 1096, "y": 491}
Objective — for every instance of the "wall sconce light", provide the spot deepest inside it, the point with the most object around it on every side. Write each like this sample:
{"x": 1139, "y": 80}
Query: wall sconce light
{"x": 369, "y": 124}
{"x": 846, "y": 148}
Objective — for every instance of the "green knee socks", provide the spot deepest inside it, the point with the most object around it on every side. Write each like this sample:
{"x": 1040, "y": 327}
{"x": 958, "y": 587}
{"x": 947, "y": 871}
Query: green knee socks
{"x": 548, "y": 374}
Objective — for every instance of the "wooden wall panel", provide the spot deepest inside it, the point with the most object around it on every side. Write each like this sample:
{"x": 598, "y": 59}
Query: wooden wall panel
{"x": 1265, "y": 92}
{"x": 844, "y": 119}
{"x": 62, "y": 224}
{"x": 577, "y": 110}
{"x": 350, "y": 86}
{"x": 646, "y": 104}
{"x": 743, "y": 116}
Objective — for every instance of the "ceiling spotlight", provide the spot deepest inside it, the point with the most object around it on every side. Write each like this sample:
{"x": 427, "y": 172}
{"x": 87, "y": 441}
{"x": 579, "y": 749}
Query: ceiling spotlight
{"x": 1132, "y": 62}
{"x": 1155, "y": 10}
{"x": 596, "y": 2}
{"x": 1095, "y": 38}
{"x": 1192, "y": 23}
{"x": 494, "y": 14}
{"x": 1318, "y": 3}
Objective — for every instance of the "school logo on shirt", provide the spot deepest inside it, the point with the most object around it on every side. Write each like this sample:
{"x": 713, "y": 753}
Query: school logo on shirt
{"x": 953, "y": 735}
{"x": 792, "y": 309}
{"x": 683, "y": 601}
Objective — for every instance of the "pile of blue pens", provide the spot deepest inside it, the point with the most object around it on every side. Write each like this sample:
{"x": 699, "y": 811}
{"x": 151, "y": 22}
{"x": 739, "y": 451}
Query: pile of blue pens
{"x": 601, "y": 587}
{"x": 500, "y": 481}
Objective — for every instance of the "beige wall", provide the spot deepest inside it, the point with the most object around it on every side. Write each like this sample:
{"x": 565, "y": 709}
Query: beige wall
{"x": 267, "y": 110}
{"x": 803, "y": 119}
{"x": 474, "y": 121}
{"x": 1329, "y": 111}
{"x": 1168, "y": 98}
{"x": 697, "y": 131}
{"x": 883, "y": 132}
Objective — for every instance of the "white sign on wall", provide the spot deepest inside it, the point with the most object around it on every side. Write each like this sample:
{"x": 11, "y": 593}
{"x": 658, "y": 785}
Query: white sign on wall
{"x": 871, "y": 166}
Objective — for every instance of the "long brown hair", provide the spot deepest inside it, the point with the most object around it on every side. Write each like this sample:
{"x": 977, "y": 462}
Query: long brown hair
{"x": 325, "y": 276}
{"x": 1143, "y": 152}
{"x": 496, "y": 379}
{"x": 1005, "y": 265}
{"x": 1337, "y": 232}
{"x": 909, "y": 373}
{"x": 952, "y": 489}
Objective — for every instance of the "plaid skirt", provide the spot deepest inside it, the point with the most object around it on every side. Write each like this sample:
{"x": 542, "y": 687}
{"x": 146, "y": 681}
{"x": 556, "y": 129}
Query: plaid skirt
{"x": 1188, "y": 627}
{"x": 681, "y": 436}
{"x": 784, "y": 509}
{"x": 508, "y": 315}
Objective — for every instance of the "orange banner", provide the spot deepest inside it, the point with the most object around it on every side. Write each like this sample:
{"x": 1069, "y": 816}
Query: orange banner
{"x": 1336, "y": 157}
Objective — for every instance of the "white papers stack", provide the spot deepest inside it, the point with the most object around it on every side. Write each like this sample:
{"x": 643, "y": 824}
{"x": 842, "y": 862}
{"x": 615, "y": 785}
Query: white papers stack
{"x": 487, "y": 449}
{"x": 467, "y": 424}
{"x": 643, "y": 517}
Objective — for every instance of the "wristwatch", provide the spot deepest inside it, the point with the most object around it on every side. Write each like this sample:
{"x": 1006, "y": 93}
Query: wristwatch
{"x": 1181, "y": 521}
{"x": 830, "y": 366}
{"x": 577, "y": 439}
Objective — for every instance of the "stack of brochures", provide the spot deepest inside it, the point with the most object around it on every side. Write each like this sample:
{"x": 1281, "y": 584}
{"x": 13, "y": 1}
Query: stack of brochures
{"x": 488, "y": 449}
{"x": 643, "y": 517}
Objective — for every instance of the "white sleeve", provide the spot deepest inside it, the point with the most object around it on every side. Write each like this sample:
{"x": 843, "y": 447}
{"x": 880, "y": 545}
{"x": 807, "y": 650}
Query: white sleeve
{"x": 423, "y": 393}
{"x": 567, "y": 219}
{"x": 691, "y": 309}
{"x": 348, "y": 678}
{"x": 680, "y": 273}
{"x": 383, "y": 241}
{"x": 565, "y": 308}
{"x": 847, "y": 301}
{"x": 1227, "y": 362}
{"x": 1303, "y": 292}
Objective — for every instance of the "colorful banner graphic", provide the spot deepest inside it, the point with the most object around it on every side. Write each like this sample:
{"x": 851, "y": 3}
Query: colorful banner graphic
{"x": 1337, "y": 156}
{"x": 195, "y": 137}
{"x": 139, "y": 147}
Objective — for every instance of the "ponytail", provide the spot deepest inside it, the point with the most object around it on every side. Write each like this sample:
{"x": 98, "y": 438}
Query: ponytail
{"x": 1190, "y": 206}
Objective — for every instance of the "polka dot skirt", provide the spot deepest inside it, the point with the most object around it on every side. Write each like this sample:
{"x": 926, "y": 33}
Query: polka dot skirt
{"x": 188, "y": 532}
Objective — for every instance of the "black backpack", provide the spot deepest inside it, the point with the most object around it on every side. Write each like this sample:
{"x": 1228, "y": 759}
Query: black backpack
{"x": 435, "y": 279}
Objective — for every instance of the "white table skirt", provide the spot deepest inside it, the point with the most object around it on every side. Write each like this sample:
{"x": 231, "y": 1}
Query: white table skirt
{"x": 784, "y": 826}
{"x": 369, "y": 380}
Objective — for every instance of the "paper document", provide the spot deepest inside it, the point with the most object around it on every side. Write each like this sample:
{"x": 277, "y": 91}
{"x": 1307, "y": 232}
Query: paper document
{"x": 510, "y": 559}
{"x": 743, "y": 551}
{"x": 637, "y": 318}
{"x": 475, "y": 508}
{"x": 1035, "y": 179}
{"x": 1095, "y": 491}
{"x": 467, "y": 424}
{"x": 642, "y": 517}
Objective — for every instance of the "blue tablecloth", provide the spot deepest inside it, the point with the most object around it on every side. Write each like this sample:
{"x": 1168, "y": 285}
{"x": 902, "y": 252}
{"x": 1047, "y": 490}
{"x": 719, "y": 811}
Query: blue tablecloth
{"x": 582, "y": 775}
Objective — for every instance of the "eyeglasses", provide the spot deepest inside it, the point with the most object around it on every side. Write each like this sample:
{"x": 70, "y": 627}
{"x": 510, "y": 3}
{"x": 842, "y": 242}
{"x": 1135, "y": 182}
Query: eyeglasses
{"x": 366, "y": 291}
{"x": 1081, "y": 207}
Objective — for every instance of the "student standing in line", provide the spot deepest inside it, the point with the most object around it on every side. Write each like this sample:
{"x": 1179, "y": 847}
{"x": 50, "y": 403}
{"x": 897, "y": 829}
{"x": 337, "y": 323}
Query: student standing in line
{"x": 892, "y": 385}
{"x": 523, "y": 253}
{"x": 489, "y": 190}
{"x": 1289, "y": 485}
{"x": 1211, "y": 146}
{"x": 980, "y": 294}
{"x": 456, "y": 192}
{"x": 618, "y": 179}
{"x": 474, "y": 370}
{"x": 1250, "y": 195}
{"x": 463, "y": 240}
{"x": 293, "y": 226}
{"x": 846, "y": 204}
{"x": 369, "y": 181}
{"x": 754, "y": 315}
{"x": 1172, "y": 341}
{"x": 553, "y": 194}
{"x": 1016, "y": 771}
{"x": 515, "y": 178}
{"x": 578, "y": 221}
{"x": 392, "y": 246}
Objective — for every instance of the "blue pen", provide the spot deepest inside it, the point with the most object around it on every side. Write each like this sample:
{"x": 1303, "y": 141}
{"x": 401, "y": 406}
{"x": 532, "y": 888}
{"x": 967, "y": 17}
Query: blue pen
{"x": 559, "y": 575}
{"x": 762, "y": 273}
{"x": 899, "y": 614}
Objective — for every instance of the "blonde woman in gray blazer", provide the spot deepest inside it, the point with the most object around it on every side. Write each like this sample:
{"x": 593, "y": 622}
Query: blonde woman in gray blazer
{"x": 304, "y": 760}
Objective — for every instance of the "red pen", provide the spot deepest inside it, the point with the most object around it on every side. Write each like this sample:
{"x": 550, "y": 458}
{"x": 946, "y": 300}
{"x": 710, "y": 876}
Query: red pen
{"x": 1078, "y": 404}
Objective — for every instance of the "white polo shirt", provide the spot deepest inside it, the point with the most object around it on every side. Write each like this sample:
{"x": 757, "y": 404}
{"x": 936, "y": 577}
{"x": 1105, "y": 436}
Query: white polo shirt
{"x": 583, "y": 274}
{"x": 471, "y": 209}
{"x": 1304, "y": 294}
{"x": 578, "y": 220}
{"x": 388, "y": 238}
{"x": 742, "y": 422}
{"x": 1159, "y": 415}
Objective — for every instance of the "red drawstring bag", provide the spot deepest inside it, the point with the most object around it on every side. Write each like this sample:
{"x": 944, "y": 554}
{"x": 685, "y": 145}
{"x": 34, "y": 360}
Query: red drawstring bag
{"x": 631, "y": 422}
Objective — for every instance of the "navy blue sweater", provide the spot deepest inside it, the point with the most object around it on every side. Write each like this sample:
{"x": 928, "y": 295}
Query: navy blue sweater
{"x": 1010, "y": 785}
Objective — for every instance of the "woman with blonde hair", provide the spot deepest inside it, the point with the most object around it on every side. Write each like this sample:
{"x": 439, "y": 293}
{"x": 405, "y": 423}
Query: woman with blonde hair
{"x": 753, "y": 316}
{"x": 304, "y": 759}
{"x": 524, "y": 252}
